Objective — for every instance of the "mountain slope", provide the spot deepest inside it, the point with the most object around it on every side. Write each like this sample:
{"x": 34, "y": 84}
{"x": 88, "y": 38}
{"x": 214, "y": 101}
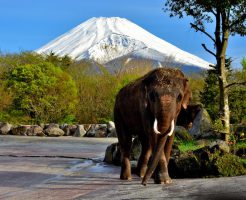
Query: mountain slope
{"x": 106, "y": 39}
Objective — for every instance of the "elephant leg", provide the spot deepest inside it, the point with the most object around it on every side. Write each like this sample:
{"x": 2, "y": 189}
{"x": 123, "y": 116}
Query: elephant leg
{"x": 125, "y": 148}
{"x": 168, "y": 147}
{"x": 144, "y": 157}
{"x": 161, "y": 172}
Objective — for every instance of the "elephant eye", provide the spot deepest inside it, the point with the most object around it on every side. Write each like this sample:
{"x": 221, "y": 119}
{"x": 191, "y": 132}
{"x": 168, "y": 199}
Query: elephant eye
{"x": 152, "y": 96}
{"x": 179, "y": 97}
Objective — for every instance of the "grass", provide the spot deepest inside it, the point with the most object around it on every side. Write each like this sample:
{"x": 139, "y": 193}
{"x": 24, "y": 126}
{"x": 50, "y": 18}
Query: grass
{"x": 188, "y": 146}
{"x": 241, "y": 144}
{"x": 243, "y": 160}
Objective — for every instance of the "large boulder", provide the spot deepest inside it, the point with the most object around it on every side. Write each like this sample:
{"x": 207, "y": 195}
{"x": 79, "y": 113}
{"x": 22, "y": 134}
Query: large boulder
{"x": 97, "y": 130}
{"x": 5, "y": 128}
{"x": 35, "y": 130}
{"x": 79, "y": 131}
{"x": 69, "y": 129}
{"x": 111, "y": 129}
{"x": 202, "y": 125}
{"x": 20, "y": 130}
{"x": 112, "y": 154}
{"x": 182, "y": 134}
{"x": 219, "y": 145}
{"x": 53, "y": 131}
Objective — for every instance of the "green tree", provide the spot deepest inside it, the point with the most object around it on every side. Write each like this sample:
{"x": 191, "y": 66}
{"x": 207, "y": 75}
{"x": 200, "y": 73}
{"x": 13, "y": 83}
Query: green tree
{"x": 228, "y": 17}
{"x": 237, "y": 94}
{"x": 42, "y": 91}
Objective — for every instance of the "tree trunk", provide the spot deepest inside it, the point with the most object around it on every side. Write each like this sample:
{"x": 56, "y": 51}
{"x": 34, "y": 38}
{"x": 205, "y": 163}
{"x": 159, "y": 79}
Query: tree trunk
{"x": 221, "y": 38}
{"x": 224, "y": 103}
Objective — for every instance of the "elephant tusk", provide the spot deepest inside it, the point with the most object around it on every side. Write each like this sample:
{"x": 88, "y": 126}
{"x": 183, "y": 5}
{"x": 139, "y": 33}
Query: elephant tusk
{"x": 155, "y": 127}
{"x": 172, "y": 128}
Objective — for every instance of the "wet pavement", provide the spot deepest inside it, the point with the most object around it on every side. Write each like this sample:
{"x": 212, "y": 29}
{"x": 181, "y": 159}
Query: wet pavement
{"x": 72, "y": 168}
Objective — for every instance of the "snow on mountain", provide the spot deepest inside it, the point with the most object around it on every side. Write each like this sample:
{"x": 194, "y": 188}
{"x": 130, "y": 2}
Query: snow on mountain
{"x": 105, "y": 39}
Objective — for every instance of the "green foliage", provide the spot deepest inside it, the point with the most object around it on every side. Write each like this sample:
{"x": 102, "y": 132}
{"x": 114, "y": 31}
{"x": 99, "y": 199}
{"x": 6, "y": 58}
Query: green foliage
{"x": 203, "y": 11}
{"x": 229, "y": 165}
{"x": 237, "y": 94}
{"x": 97, "y": 91}
{"x": 41, "y": 91}
{"x": 210, "y": 94}
{"x": 243, "y": 63}
{"x": 188, "y": 146}
{"x": 196, "y": 84}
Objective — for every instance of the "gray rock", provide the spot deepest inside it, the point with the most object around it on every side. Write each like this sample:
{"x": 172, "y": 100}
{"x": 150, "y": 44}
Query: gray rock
{"x": 182, "y": 133}
{"x": 111, "y": 129}
{"x": 69, "y": 129}
{"x": 54, "y": 132}
{"x": 136, "y": 149}
{"x": 5, "y": 128}
{"x": 220, "y": 145}
{"x": 35, "y": 131}
{"x": 20, "y": 130}
{"x": 52, "y": 125}
{"x": 79, "y": 131}
{"x": 112, "y": 154}
{"x": 202, "y": 124}
{"x": 97, "y": 130}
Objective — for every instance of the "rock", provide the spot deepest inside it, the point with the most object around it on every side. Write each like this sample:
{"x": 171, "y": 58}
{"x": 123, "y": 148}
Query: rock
{"x": 112, "y": 154}
{"x": 184, "y": 166}
{"x": 79, "y": 131}
{"x": 53, "y": 131}
{"x": 182, "y": 134}
{"x": 35, "y": 131}
{"x": 69, "y": 130}
{"x": 136, "y": 149}
{"x": 111, "y": 129}
{"x": 20, "y": 130}
{"x": 201, "y": 124}
{"x": 97, "y": 130}
{"x": 5, "y": 128}
{"x": 46, "y": 126}
{"x": 219, "y": 145}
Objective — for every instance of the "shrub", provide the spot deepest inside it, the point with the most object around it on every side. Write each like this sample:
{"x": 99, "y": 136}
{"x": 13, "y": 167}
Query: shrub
{"x": 230, "y": 165}
{"x": 42, "y": 91}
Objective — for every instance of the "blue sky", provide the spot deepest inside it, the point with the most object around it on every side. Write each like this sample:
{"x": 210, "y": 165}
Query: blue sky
{"x": 29, "y": 24}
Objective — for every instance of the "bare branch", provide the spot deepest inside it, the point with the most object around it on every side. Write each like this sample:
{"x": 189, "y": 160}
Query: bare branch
{"x": 236, "y": 83}
{"x": 206, "y": 49}
{"x": 203, "y": 31}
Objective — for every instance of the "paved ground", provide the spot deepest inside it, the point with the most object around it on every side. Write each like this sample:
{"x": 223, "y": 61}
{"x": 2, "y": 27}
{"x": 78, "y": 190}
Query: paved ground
{"x": 72, "y": 168}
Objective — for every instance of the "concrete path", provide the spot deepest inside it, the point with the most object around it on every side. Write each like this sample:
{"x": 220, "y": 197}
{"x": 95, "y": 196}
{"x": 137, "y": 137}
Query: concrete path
{"x": 72, "y": 168}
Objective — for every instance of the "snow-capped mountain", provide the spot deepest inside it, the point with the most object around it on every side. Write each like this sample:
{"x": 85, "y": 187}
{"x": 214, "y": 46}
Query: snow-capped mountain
{"x": 106, "y": 39}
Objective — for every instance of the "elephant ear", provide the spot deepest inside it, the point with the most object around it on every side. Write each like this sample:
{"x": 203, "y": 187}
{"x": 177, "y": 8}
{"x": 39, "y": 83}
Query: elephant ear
{"x": 187, "y": 94}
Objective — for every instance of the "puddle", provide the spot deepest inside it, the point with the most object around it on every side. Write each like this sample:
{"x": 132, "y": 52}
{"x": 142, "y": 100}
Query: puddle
{"x": 92, "y": 166}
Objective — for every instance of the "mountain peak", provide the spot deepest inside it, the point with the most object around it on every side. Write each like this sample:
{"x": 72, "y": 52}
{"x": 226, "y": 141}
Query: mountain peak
{"x": 104, "y": 39}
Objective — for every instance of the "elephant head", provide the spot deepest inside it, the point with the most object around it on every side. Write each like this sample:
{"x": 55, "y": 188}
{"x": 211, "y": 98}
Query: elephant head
{"x": 166, "y": 92}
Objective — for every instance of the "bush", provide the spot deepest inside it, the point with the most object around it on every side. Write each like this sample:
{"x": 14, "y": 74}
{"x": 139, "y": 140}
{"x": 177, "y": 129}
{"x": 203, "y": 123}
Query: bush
{"x": 229, "y": 165}
{"x": 42, "y": 91}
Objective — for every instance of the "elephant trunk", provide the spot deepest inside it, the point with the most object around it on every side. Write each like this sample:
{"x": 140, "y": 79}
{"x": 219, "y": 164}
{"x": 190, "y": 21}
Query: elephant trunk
{"x": 156, "y": 154}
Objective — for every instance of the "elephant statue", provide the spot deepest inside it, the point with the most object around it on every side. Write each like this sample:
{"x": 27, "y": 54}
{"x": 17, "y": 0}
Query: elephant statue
{"x": 148, "y": 108}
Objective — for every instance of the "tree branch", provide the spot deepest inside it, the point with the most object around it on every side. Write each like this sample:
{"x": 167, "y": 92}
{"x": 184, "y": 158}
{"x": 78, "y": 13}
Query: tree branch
{"x": 201, "y": 30}
{"x": 240, "y": 19}
{"x": 235, "y": 83}
{"x": 206, "y": 49}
